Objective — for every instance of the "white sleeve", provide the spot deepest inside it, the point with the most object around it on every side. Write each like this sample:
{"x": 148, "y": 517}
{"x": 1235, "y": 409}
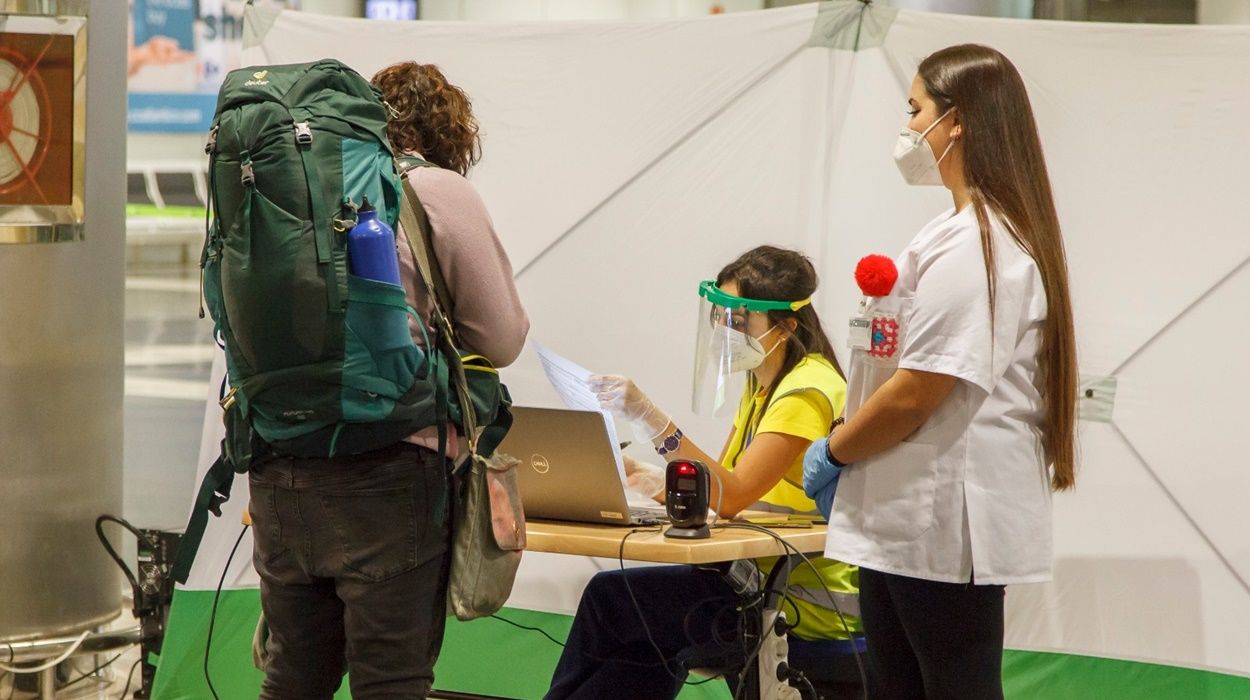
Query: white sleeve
{"x": 948, "y": 329}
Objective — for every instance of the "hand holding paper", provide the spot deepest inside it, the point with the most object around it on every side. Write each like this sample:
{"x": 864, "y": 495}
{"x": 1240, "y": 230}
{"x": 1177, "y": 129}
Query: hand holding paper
{"x": 621, "y": 396}
{"x": 569, "y": 379}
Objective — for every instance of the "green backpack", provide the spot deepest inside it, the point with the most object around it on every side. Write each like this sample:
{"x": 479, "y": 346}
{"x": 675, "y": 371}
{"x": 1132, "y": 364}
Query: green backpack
{"x": 320, "y": 363}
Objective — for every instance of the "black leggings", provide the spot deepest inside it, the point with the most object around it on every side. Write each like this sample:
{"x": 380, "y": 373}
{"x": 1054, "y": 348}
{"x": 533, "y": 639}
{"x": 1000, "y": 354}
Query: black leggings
{"x": 931, "y": 640}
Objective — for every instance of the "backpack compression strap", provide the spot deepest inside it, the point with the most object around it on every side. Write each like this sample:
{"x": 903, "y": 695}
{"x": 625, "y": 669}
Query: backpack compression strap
{"x": 214, "y": 491}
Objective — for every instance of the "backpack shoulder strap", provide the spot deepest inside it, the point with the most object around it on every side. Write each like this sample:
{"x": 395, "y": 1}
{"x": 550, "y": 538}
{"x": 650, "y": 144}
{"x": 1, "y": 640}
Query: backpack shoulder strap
{"x": 404, "y": 163}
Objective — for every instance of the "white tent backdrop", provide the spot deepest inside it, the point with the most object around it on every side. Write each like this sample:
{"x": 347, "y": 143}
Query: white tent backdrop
{"x": 626, "y": 161}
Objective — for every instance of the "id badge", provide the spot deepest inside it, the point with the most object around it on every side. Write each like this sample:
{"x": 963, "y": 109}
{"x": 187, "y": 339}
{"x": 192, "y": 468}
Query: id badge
{"x": 860, "y": 335}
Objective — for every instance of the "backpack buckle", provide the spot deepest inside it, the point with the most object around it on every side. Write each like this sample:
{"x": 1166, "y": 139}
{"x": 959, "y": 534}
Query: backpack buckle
{"x": 212, "y": 141}
{"x": 303, "y": 133}
{"x": 247, "y": 175}
{"x": 228, "y": 401}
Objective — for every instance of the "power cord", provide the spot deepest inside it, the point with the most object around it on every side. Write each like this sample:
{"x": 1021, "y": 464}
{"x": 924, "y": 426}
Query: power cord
{"x": 561, "y": 644}
{"x": 664, "y": 661}
{"x": 539, "y": 630}
{"x": 91, "y": 673}
{"x": 792, "y": 674}
{"x": 150, "y": 584}
{"x": 108, "y": 546}
{"x": 212, "y": 618}
{"x": 129, "y": 677}
{"x": 787, "y": 672}
{"x": 720, "y": 496}
{"x": 859, "y": 663}
{"x": 765, "y": 630}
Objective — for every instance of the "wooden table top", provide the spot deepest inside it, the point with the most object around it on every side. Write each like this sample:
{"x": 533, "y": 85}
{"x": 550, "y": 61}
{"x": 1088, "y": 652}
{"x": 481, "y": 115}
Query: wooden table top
{"x": 648, "y": 543}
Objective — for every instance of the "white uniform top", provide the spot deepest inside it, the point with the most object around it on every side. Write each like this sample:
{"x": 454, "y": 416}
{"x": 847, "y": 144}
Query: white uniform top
{"x": 967, "y": 493}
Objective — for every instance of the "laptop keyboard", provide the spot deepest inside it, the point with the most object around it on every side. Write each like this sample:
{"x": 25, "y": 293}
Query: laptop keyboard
{"x": 648, "y": 516}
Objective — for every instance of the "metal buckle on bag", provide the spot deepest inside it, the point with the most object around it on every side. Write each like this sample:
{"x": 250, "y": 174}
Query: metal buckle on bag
{"x": 212, "y": 141}
{"x": 229, "y": 400}
{"x": 303, "y": 133}
{"x": 247, "y": 175}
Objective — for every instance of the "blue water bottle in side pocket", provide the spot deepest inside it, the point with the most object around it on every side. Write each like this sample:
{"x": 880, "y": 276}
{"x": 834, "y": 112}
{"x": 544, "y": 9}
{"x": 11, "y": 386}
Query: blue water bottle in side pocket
{"x": 371, "y": 247}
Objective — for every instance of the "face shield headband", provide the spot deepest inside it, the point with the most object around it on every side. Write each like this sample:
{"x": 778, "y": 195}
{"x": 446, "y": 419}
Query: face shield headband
{"x": 723, "y": 348}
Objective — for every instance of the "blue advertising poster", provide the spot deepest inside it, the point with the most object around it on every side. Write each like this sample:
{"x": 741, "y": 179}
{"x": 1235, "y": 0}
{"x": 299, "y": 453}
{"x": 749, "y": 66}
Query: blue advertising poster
{"x": 179, "y": 52}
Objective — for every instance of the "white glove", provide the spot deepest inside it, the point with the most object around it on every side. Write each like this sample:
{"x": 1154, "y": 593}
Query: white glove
{"x": 621, "y": 396}
{"x": 644, "y": 478}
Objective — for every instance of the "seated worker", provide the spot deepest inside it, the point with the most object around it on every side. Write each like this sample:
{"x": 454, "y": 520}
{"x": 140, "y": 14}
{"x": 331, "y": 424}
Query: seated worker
{"x": 757, "y": 328}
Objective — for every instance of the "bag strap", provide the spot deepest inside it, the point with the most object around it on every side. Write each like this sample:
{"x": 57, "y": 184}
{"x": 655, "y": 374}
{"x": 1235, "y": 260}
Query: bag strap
{"x": 417, "y": 222}
{"x": 214, "y": 491}
{"x": 414, "y": 222}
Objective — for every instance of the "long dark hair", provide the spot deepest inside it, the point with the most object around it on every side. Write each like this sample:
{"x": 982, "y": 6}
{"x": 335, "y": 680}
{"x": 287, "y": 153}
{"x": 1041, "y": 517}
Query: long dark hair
{"x": 429, "y": 115}
{"x": 1006, "y": 173}
{"x": 777, "y": 274}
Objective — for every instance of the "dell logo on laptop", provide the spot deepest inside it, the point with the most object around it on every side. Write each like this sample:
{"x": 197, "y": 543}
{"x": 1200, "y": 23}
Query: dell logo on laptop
{"x": 539, "y": 463}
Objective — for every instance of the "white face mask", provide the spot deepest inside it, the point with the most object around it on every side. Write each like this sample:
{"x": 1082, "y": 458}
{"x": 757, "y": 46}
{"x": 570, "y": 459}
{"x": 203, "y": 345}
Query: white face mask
{"x": 739, "y": 350}
{"x": 914, "y": 157}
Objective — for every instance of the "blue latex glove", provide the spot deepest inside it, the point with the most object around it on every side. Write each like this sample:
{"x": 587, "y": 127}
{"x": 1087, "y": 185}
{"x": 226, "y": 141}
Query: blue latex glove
{"x": 820, "y": 476}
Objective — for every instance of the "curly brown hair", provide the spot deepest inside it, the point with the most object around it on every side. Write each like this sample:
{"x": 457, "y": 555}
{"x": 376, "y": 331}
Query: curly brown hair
{"x": 429, "y": 115}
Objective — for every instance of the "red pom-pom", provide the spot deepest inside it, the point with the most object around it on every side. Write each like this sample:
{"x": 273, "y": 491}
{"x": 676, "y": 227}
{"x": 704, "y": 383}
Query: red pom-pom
{"x": 876, "y": 275}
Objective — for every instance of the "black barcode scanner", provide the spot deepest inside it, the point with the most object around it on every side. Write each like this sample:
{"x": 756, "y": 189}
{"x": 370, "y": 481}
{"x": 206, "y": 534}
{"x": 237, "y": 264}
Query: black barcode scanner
{"x": 686, "y": 499}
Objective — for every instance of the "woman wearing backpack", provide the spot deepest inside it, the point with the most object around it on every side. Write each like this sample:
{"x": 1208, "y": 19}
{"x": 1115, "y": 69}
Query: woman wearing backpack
{"x": 944, "y": 496}
{"x": 757, "y": 329}
{"x": 353, "y": 551}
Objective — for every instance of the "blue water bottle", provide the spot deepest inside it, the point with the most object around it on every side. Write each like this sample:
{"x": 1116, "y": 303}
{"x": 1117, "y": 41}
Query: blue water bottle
{"x": 371, "y": 247}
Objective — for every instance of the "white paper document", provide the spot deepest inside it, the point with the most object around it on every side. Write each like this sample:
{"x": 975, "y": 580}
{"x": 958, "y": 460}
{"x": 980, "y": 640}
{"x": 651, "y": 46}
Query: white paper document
{"x": 569, "y": 380}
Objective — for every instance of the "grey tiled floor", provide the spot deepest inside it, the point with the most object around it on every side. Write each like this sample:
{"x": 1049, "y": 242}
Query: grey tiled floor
{"x": 168, "y": 360}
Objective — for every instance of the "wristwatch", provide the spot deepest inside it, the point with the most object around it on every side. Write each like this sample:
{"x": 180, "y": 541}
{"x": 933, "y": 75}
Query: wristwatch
{"x": 671, "y": 443}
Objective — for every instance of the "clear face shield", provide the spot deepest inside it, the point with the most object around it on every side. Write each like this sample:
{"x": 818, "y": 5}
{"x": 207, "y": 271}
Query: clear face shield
{"x": 725, "y": 350}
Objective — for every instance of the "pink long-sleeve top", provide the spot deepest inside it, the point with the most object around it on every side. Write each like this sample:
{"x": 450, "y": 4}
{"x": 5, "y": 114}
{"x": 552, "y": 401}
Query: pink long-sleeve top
{"x": 487, "y": 317}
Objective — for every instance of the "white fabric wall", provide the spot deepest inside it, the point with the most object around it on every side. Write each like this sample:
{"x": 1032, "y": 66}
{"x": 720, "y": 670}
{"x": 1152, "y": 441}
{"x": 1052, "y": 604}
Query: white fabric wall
{"x": 626, "y": 161}
{"x": 548, "y": 10}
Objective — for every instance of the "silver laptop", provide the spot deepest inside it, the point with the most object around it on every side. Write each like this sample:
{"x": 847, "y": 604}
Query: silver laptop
{"x": 568, "y": 469}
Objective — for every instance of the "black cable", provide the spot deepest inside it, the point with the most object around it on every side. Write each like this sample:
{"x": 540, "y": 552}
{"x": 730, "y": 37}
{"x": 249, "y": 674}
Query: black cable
{"x": 859, "y": 663}
{"x": 92, "y": 672}
{"x": 765, "y": 630}
{"x": 129, "y": 677}
{"x": 759, "y": 599}
{"x": 212, "y": 618}
{"x": 715, "y": 626}
{"x": 795, "y": 674}
{"x": 789, "y": 547}
{"x": 659, "y": 653}
{"x": 543, "y": 632}
{"x": 629, "y": 662}
{"x": 108, "y": 546}
{"x": 620, "y": 557}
